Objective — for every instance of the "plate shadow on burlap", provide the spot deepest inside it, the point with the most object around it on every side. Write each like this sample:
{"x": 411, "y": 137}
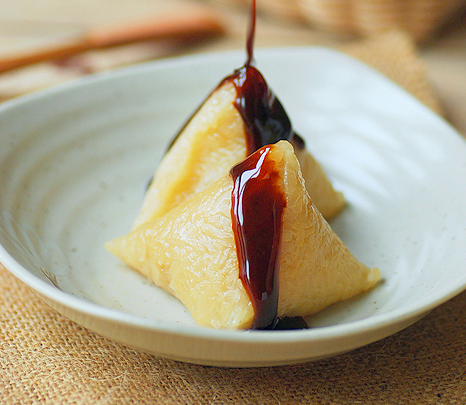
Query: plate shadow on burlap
{"x": 46, "y": 358}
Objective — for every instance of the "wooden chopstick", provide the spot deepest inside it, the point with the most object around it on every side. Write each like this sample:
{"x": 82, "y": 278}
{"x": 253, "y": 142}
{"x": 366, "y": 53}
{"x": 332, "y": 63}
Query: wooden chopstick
{"x": 193, "y": 26}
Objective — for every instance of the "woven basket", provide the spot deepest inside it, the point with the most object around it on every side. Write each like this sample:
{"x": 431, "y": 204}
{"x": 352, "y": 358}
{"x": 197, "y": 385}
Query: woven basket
{"x": 420, "y": 18}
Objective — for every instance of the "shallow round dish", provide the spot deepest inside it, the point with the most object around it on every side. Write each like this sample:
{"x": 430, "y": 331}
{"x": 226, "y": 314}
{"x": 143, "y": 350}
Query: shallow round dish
{"x": 75, "y": 162}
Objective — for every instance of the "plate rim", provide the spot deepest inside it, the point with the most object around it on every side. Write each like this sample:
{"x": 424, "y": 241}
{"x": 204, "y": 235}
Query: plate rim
{"x": 78, "y": 304}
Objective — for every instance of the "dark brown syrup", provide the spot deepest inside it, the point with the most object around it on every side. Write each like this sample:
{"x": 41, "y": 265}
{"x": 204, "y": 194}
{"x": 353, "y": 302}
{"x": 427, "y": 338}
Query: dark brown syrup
{"x": 258, "y": 201}
{"x": 258, "y": 197}
{"x": 289, "y": 323}
{"x": 257, "y": 226}
{"x": 264, "y": 117}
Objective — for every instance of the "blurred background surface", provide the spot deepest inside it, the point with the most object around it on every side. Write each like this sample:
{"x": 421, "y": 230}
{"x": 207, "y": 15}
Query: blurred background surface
{"x": 73, "y": 37}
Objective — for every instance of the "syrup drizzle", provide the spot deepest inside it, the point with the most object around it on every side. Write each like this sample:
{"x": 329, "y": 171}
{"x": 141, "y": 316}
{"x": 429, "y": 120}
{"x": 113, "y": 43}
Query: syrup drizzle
{"x": 257, "y": 207}
{"x": 257, "y": 210}
{"x": 265, "y": 119}
{"x": 251, "y": 34}
{"x": 258, "y": 197}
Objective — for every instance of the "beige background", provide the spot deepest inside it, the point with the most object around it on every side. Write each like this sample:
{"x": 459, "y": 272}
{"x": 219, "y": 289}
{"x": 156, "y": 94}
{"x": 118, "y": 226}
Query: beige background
{"x": 28, "y": 24}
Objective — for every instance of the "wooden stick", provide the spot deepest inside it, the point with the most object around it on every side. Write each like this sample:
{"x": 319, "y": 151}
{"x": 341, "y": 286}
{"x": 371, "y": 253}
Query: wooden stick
{"x": 195, "y": 25}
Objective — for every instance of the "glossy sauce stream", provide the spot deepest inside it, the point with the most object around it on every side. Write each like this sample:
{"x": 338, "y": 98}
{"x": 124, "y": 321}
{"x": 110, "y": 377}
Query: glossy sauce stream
{"x": 258, "y": 197}
{"x": 257, "y": 207}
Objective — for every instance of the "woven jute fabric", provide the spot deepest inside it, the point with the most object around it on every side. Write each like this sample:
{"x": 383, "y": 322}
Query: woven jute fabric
{"x": 46, "y": 358}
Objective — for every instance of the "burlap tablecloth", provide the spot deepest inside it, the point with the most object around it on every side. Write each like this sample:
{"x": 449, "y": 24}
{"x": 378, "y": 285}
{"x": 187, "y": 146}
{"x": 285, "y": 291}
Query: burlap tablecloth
{"x": 46, "y": 358}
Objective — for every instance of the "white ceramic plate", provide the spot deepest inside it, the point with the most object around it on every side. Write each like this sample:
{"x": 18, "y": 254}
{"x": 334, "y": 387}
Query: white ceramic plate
{"x": 75, "y": 162}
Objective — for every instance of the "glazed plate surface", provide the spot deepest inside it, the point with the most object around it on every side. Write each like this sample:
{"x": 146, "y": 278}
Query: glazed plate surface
{"x": 75, "y": 161}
